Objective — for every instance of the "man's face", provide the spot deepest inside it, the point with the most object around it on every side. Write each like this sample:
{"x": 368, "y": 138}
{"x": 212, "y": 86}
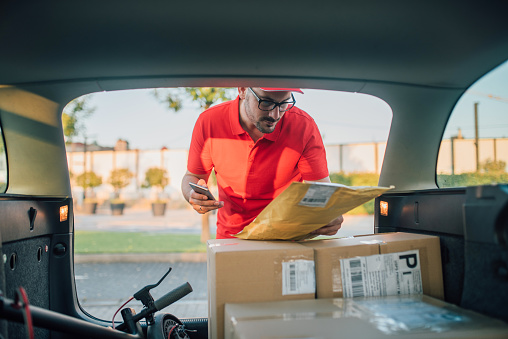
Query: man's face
{"x": 265, "y": 120}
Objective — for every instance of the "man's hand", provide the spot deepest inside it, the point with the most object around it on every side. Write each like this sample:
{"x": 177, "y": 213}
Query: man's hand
{"x": 200, "y": 202}
{"x": 331, "y": 228}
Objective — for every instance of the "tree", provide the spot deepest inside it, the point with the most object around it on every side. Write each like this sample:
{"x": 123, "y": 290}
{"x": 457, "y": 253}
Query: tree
{"x": 204, "y": 96}
{"x": 120, "y": 178}
{"x": 73, "y": 115}
{"x": 156, "y": 177}
{"x": 88, "y": 180}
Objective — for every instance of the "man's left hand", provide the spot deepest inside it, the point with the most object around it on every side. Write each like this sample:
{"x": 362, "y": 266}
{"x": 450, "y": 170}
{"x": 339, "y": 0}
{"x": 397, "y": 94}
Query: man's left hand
{"x": 330, "y": 229}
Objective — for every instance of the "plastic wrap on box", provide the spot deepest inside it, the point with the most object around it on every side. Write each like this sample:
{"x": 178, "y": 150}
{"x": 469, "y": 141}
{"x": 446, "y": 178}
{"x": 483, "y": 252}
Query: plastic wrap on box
{"x": 410, "y": 316}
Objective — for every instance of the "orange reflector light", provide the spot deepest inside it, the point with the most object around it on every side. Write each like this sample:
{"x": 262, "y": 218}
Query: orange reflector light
{"x": 64, "y": 213}
{"x": 383, "y": 208}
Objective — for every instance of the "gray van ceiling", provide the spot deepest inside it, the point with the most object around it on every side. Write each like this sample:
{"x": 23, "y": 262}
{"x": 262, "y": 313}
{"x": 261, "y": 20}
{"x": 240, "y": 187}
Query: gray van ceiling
{"x": 429, "y": 43}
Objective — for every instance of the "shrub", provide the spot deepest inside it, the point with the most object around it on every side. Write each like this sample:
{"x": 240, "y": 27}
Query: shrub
{"x": 120, "y": 178}
{"x": 341, "y": 178}
{"x": 88, "y": 180}
{"x": 471, "y": 179}
{"x": 156, "y": 177}
{"x": 357, "y": 179}
{"x": 492, "y": 166}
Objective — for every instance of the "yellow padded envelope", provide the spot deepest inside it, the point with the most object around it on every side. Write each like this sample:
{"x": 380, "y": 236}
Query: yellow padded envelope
{"x": 305, "y": 207}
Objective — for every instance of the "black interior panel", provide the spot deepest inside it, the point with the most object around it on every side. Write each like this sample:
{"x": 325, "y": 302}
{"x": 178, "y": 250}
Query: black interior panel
{"x": 472, "y": 224}
{"x": 26, "y": 266}
{"x": 32, "y": 252}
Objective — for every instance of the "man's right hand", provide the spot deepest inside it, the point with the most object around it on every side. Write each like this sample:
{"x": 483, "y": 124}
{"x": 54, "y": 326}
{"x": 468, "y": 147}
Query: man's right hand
{"x": 200, "y": 202}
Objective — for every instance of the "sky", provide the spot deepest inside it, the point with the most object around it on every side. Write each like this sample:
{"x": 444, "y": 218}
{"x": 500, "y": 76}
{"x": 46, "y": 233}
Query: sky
{"x": 138, "y": 117}
{"x": 492, "y": 113}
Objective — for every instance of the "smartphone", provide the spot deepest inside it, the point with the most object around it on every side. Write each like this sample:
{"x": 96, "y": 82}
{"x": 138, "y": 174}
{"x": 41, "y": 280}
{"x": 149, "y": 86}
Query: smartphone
{"x": 202, "y": 190}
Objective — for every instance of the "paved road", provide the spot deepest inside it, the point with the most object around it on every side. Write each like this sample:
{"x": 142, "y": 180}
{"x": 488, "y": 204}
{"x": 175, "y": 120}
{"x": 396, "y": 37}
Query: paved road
{"x": 103, "y": 287}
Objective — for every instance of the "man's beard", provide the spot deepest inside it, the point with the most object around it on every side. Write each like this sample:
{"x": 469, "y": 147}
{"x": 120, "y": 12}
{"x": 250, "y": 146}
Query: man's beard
{"x": 268, "y": 129}
{"x": 252, "y": 116}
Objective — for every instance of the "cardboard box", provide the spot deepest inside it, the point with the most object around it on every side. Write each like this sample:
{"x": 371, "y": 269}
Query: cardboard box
{"x": 328, "y": 254}
{"x": 248, "y": 271}
{"x": 400, "y": 317}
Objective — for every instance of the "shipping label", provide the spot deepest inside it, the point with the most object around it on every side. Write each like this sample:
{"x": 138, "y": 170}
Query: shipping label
{"x": 298, "y": 277}
{"x": 381, "y": 275}
{"x": 317, "y": 196}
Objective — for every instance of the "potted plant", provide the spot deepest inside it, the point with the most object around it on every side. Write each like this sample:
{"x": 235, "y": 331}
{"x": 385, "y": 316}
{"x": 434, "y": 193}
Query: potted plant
{"x": 119, "y": 178}
{"x": 88, "y": 180}
{"x": 158, "y": 178}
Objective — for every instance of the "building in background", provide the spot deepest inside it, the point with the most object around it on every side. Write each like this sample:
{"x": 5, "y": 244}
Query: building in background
{"x": 456, "y": 156}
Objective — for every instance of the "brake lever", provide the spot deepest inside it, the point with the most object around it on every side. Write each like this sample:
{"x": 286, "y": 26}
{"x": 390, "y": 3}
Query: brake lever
{"x": 144, "y": 295}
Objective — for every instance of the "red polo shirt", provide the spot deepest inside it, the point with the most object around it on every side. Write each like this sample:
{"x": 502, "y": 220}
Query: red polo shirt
{"x": 250, "y": 175}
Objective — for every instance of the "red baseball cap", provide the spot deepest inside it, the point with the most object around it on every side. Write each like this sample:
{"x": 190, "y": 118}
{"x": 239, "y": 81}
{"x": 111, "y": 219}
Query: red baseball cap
{"x": 271, "y": 89}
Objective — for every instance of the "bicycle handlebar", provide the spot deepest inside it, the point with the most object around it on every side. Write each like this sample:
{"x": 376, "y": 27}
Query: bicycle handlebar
{"x": 166, "y": 300}
{"x": 173, "y": 296}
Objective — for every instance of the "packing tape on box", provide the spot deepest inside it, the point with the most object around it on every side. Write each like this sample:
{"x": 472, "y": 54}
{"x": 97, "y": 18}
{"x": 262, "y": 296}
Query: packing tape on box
{"x": 336, "y": 274}
{"x": 372, "y": 242}
{"x": 224, "y": 244}
{"x": 286, "y": 316}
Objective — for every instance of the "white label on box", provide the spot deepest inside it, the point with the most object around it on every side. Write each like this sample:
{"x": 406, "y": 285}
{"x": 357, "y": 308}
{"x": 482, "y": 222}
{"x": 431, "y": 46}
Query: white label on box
{"x": 317, "y": 196}
{"x": 383, "y": 274}
{"x": 298, "y": 277}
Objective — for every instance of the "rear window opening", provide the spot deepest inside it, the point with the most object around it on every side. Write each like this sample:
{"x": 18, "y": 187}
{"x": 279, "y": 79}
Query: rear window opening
{"x": 474, "y": 149}
{"x": 136, "y": 136}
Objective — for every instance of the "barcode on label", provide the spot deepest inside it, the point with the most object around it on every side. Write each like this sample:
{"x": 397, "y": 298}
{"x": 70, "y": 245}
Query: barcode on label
{"x": 298, "y": 277}
{"x": 292, "y": 277}
{"x": 381, "y": 274}
{"x": 356, "y": 278}
{"x": 314, "y": 201}
{"x": 317, "y": 196}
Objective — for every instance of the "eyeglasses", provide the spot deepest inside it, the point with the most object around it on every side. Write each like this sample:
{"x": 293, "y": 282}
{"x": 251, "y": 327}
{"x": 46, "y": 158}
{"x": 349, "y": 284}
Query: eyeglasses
{"x": 268, "y": 105}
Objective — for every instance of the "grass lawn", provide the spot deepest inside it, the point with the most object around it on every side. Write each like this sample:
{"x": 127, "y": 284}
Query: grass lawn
{"x": 88, "y": 242}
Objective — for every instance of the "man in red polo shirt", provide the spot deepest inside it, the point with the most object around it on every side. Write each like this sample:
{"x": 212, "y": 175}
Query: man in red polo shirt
{"x": 258, "y": 144}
